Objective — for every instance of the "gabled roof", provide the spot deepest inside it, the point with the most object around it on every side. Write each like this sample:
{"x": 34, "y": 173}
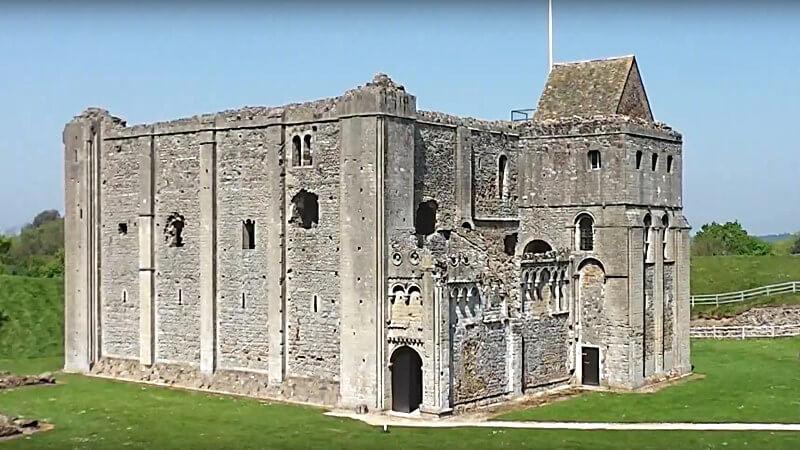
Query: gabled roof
{"x": 596, "y": 87}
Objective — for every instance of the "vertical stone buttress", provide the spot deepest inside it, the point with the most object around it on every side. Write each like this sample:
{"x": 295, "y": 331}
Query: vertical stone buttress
{"x": 82, "y": 149}
{"x": 658, "y": 299}
{"x": 146, "y": 251}
{"x": 276, "y": 252}
{"x": 464, "y": 175}
{"x": 208, "y": 251}
{"x": 371, "y": 126}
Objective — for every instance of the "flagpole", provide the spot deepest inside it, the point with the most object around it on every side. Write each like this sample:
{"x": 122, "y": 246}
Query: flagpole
{"x": 549, "y": 35}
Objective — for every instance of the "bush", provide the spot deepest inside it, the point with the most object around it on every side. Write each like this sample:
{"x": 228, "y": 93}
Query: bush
{"x": 727, "y": 239}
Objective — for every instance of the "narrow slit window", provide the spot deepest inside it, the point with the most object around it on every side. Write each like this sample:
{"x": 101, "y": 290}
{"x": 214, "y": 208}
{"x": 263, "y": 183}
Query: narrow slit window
{"x": 124, "y": 296}
{"x": 655, "y": 162}
{"x": 249, "y": 234}
{"x": 243, "y": 301}
{"x": 639, "y": 159}
{"x": 316, "y": 303}
{"x": 595, "y": 162}
{"x": 669, "y": 163}
{"x": 180, "y": 297}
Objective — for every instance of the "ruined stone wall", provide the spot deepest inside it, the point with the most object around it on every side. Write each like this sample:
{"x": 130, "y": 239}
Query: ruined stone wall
{"x": 312, "y": 259}
{"x": 479, "y": 361}
{"x": 243, "y": 193}
{"x": 119, "y": 282}
{"x": 545, "y": 349}
{"x": 490, "y": 198}
{"x": 435, "y": 171}
{"x": 177, "y": 309}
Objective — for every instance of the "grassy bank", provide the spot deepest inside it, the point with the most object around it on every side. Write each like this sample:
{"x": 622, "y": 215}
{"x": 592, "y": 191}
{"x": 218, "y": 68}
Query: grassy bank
{"x": 31, "y": 317}
{"x": 717, "y": 274}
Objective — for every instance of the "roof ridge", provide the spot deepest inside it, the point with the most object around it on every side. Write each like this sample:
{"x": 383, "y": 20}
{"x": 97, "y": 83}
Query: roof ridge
{"x": 610, "y": 58}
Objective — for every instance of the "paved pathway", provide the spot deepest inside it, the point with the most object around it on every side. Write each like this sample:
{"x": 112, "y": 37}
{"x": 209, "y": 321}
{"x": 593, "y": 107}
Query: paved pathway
{"x": 393, "y": 421}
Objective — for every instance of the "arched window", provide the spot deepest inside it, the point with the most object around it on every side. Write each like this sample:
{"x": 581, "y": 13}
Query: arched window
{"x": 307, "y": 156}
{"x": 655, "y": 162}
{"x": 595, "y": 162}
{"x": 585, "y": 232}
{"x": 669, "y": 163}
{"x": 502, "y": 177}
{"x": 536, "y": 247}
{"x": 639, "y": 159}
{"x": 297, "y": 156}
{"x": 414, "y": 294}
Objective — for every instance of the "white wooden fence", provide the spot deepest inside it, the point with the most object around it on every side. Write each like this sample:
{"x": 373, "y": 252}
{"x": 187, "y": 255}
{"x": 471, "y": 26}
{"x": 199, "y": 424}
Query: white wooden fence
{"x": 740, "y": 296}
{"x": 745, "y": 332}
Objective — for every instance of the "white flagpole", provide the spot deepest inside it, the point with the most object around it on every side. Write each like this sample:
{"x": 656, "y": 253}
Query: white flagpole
{"x": 549, "y": 35}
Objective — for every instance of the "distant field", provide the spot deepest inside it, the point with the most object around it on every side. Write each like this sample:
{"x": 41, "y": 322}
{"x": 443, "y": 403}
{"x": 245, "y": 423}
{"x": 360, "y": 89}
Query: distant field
{"x": 31, "y": 317}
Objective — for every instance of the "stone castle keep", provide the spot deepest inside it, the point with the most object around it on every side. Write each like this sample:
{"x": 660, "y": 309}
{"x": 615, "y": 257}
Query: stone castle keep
{"x": 360, "y": 253}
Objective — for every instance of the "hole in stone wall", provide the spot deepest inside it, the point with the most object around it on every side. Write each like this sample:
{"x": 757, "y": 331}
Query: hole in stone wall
{"x": 305, "y": 209}
{"x": 296, "y": 151}
{"x": 537, "y": 246}
{"x": 180, "y": 297}
{"x": 243, "y": 300}
{"x": 122, "y": 228}
{"x": 173, "y": 230}
{"x": 249, "y": 234}
{"x": 446, "y": 234}
{"x": 502, "y": 175}
{"x": 466, "y": 226}
{"x": 639, "y": 159}
{"x": 669, "y": 163}
{"x": 425, "y": 221}
{"x": 316, "y": 303}
{"x": 124, "y": 296}
{"x": 654, "y": 164}
{"x": 510, "y": 243}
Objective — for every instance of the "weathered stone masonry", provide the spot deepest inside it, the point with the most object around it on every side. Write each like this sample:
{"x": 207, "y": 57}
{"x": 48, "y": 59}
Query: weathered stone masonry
{"x": 358, "y": 252}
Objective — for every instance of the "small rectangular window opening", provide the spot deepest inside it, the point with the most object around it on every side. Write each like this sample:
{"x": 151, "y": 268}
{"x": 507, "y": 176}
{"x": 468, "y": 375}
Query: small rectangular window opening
{"x": 655, "y": 162}
{"x": 122, "y": 228}
{"x": 594, "y": 160}
{"x": 243, "y": 300}
{"x": 180, "y": 297}
{"x": 316, "y": 303}
{"x": 249, "y": 234}
{"x": 124, "y": 296}
{"x": 669, "y": 164}
{"x": 639, "y": 160}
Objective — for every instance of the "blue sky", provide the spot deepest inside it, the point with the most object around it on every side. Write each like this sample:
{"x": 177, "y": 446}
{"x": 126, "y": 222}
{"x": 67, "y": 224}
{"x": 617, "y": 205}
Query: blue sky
{"x": 727, "y": 75}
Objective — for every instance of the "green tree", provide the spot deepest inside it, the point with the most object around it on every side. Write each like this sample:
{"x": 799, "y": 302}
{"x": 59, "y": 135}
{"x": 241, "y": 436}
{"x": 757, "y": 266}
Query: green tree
{"x": 729, "y": 238}
{"x": 796, "y": 247}
{"x": 38, "y": 251}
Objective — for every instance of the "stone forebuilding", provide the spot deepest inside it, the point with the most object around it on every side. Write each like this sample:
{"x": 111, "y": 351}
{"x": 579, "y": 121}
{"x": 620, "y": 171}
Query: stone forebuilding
{"x": 361, "y": 253}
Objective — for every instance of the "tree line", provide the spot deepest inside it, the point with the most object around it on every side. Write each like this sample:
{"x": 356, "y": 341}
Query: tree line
{"x": 731, "y": 238}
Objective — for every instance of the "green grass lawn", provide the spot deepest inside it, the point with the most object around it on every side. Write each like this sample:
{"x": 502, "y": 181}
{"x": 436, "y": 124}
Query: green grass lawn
{"x": 103, "y": 414}
{"x": 31, "y": 317}
{"x": 745, "y": 381}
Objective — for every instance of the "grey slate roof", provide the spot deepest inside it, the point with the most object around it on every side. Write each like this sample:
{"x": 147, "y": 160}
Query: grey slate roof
{"x": 585, "y": 88}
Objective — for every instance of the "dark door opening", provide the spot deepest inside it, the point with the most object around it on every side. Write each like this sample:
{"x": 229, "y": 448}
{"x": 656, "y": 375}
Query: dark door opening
{"x": 590, "y": 373}
{"x": 406, "y": 380}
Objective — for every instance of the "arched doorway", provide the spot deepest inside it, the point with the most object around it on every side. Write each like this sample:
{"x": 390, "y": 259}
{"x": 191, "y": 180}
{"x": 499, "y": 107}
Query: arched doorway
{"x": 406, "y": 366}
